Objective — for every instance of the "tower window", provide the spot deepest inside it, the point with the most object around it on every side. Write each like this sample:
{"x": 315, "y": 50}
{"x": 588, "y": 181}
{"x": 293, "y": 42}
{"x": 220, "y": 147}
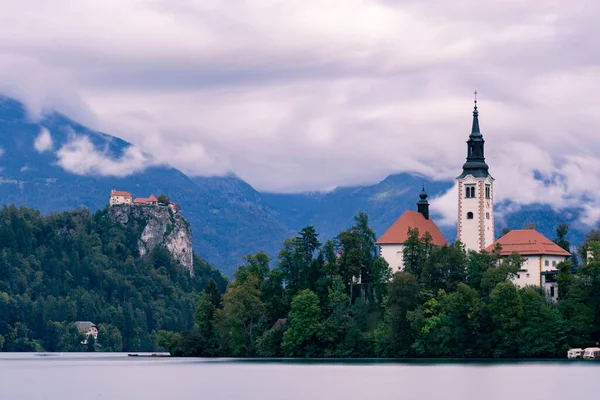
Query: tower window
{"x": 470, "y": 191}
{"x": 469, "y": 215}
{"x": 487, "y": 215}
{"x": 488, "y": 192}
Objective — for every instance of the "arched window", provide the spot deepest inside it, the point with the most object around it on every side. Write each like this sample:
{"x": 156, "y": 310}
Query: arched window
{"x": 470, "y": 191}
{"x": 469, "y": 215}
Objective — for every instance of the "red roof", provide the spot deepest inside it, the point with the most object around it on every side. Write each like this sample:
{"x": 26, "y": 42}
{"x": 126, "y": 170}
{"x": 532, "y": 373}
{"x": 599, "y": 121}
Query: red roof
{"x": 144, "y": 200}
{"x": 119, "y": 193}
{"x": 527, "y": 242}
{"x": 398, "y": 232}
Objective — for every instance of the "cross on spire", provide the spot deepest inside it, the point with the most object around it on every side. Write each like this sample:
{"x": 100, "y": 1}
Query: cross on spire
{"x": 475, "y": 98}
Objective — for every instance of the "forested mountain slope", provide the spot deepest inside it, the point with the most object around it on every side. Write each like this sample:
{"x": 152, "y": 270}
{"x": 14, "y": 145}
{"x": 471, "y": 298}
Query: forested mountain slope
{"x": 77, "y": 266}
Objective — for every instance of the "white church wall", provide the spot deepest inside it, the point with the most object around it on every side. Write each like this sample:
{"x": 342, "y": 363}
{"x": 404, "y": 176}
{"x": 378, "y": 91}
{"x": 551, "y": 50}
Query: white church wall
{"x": 531, "y": 273}
{"x": 471, "y": 231}
{"x": 393, "y": 254}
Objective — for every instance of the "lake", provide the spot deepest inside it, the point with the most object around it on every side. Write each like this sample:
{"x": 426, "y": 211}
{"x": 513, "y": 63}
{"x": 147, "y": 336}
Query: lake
{"x": 116, "y": 376}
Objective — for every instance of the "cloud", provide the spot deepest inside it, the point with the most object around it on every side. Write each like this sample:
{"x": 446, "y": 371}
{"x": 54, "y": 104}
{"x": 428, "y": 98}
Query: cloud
{"x": 81, "y": 157}
{"x": 313, "y": 94}
{"x": 44, "y": 141}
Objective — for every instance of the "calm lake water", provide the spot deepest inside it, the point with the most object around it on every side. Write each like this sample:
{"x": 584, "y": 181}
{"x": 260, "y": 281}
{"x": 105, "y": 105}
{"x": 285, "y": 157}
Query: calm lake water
{"x": 116, "y": 376}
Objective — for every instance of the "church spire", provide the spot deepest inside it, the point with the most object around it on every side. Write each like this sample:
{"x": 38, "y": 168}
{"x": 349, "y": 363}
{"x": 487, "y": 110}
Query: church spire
{"x": 475, "y": 164}
{"x": 475, "y": 128}
{"x": 423, "y": 204}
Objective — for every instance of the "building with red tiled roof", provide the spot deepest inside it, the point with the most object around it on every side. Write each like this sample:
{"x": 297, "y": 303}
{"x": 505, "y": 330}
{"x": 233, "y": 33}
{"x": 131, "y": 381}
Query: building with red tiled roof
{"x": 119, "y": 197}
{"x": 540, "y": 258}
{"x": 146, "y": 200}
{"x": 392, "y": 242}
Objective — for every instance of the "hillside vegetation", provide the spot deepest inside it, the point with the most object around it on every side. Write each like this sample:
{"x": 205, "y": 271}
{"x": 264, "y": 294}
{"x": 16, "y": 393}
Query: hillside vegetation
{"x": 75, "y": 266}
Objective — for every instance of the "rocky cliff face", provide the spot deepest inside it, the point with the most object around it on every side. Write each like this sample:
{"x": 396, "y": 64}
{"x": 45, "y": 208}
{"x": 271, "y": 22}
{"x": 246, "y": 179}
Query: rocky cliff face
{"x": 160, "y": 226}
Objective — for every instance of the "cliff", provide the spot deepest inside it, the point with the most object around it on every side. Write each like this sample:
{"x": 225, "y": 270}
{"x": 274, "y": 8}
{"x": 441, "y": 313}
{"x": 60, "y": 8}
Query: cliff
{"x": 159, "y": 225}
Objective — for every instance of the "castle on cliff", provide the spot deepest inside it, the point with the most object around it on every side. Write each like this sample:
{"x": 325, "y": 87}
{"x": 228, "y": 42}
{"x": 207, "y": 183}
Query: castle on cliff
{"x": 120, "y": 197}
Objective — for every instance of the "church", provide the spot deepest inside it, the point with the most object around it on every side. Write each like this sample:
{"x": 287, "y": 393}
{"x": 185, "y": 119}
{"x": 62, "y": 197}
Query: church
{"x": 475, "y": 228}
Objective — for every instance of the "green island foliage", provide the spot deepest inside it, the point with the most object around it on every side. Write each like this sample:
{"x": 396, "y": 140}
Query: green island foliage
{"x": 75, "y": 266}
{"x": 339, "y": 299}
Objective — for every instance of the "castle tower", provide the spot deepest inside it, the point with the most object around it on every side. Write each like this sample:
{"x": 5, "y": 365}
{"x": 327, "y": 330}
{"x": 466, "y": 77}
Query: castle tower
{"x": 475, "y": 194}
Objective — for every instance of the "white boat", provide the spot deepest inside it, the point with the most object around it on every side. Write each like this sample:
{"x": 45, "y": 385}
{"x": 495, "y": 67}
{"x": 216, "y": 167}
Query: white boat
{"x": 592, "y": 353}
{"x": 575, "y": 353}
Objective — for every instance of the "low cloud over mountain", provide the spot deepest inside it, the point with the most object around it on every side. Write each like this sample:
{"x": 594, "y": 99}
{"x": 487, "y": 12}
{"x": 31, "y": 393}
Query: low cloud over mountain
{"x": 310, "y": 95}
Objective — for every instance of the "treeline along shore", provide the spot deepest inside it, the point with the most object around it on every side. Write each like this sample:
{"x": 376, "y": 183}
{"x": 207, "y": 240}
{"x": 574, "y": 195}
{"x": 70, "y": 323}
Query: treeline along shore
{"x": 331, "y": 299}
{"x": 340, "y": 299}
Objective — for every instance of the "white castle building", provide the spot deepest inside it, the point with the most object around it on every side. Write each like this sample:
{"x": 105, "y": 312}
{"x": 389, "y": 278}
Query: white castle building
{"x": 475, "y": 228}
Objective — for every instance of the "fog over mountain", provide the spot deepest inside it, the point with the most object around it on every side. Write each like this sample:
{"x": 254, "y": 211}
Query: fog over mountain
{"x": 54, "y": 163}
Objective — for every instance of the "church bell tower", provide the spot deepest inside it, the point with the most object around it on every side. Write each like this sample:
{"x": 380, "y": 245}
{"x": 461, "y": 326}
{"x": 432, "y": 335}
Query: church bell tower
{"x": 475, "y": 194}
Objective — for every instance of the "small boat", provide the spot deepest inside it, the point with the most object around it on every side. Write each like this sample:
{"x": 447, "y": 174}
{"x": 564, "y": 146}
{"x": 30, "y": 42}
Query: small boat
{"x": 575, "y": 353}
{"x": 591, "y": 353}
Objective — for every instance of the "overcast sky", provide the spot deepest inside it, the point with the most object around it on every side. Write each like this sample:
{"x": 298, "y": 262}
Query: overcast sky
{"x": 296, "y": 95}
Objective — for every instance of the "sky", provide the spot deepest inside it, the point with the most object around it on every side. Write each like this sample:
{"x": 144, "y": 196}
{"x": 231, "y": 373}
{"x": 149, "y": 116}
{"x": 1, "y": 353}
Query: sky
{"x": 305, "y": 95}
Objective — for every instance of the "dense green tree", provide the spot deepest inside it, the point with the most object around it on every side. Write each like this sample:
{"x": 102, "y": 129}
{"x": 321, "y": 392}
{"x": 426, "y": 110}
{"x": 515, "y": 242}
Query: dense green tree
{"x": 506, "y": 310}
{"x": 206, "y": 325}
{"x": 414, "y": 253}
{"x": 543, "y": 331}
{"x": 403, "y": 297}
{"x": 243, "y": 316}
{"x": 214, "y": 294}
{"x": 163, "y": 199}
{"x": 445, "y": 268}
{"x": 109, "y": 338}
{"x": 562, "y": 231}
{"x": 337, "y": 320}
{"x": 302, "y": 336}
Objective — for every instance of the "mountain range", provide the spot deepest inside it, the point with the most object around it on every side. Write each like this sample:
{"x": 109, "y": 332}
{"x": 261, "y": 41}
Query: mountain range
{"x": 229, "y": 218}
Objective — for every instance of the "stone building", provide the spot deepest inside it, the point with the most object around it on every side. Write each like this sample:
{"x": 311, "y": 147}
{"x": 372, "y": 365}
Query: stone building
{"x": 119, "y": 197}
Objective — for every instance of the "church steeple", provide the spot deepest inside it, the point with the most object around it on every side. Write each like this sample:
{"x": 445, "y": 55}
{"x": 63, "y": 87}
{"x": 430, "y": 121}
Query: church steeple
{"x": 475, "y": 194}
{"x": 475, "y": 164}
{"x": 423, "y": 204}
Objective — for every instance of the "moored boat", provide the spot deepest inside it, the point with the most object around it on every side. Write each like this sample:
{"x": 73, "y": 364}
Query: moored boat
{"x": 591, "y": 353}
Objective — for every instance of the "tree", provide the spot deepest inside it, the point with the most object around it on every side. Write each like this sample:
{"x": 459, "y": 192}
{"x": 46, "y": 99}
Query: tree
{"x": 561, "y": 236}
{"x": 403, "y": 297}
{"x": 301, "y": 338}
{"x": 337, "y": 321}
{"x": 477, "y": 265}
{"x": 109, "y": 338}
{"x": 505, "y": 271}
{"x": 414, "y": 253}
{"x": 543, "y": 331}
{"x": 163, "y": 199}
{"x": 506, "y": 310}
{"x": 445, "y": 268}
{"x": 208, "y": 335}
{"x": 243, "y": 316}
{"x": 214, "y": 294}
